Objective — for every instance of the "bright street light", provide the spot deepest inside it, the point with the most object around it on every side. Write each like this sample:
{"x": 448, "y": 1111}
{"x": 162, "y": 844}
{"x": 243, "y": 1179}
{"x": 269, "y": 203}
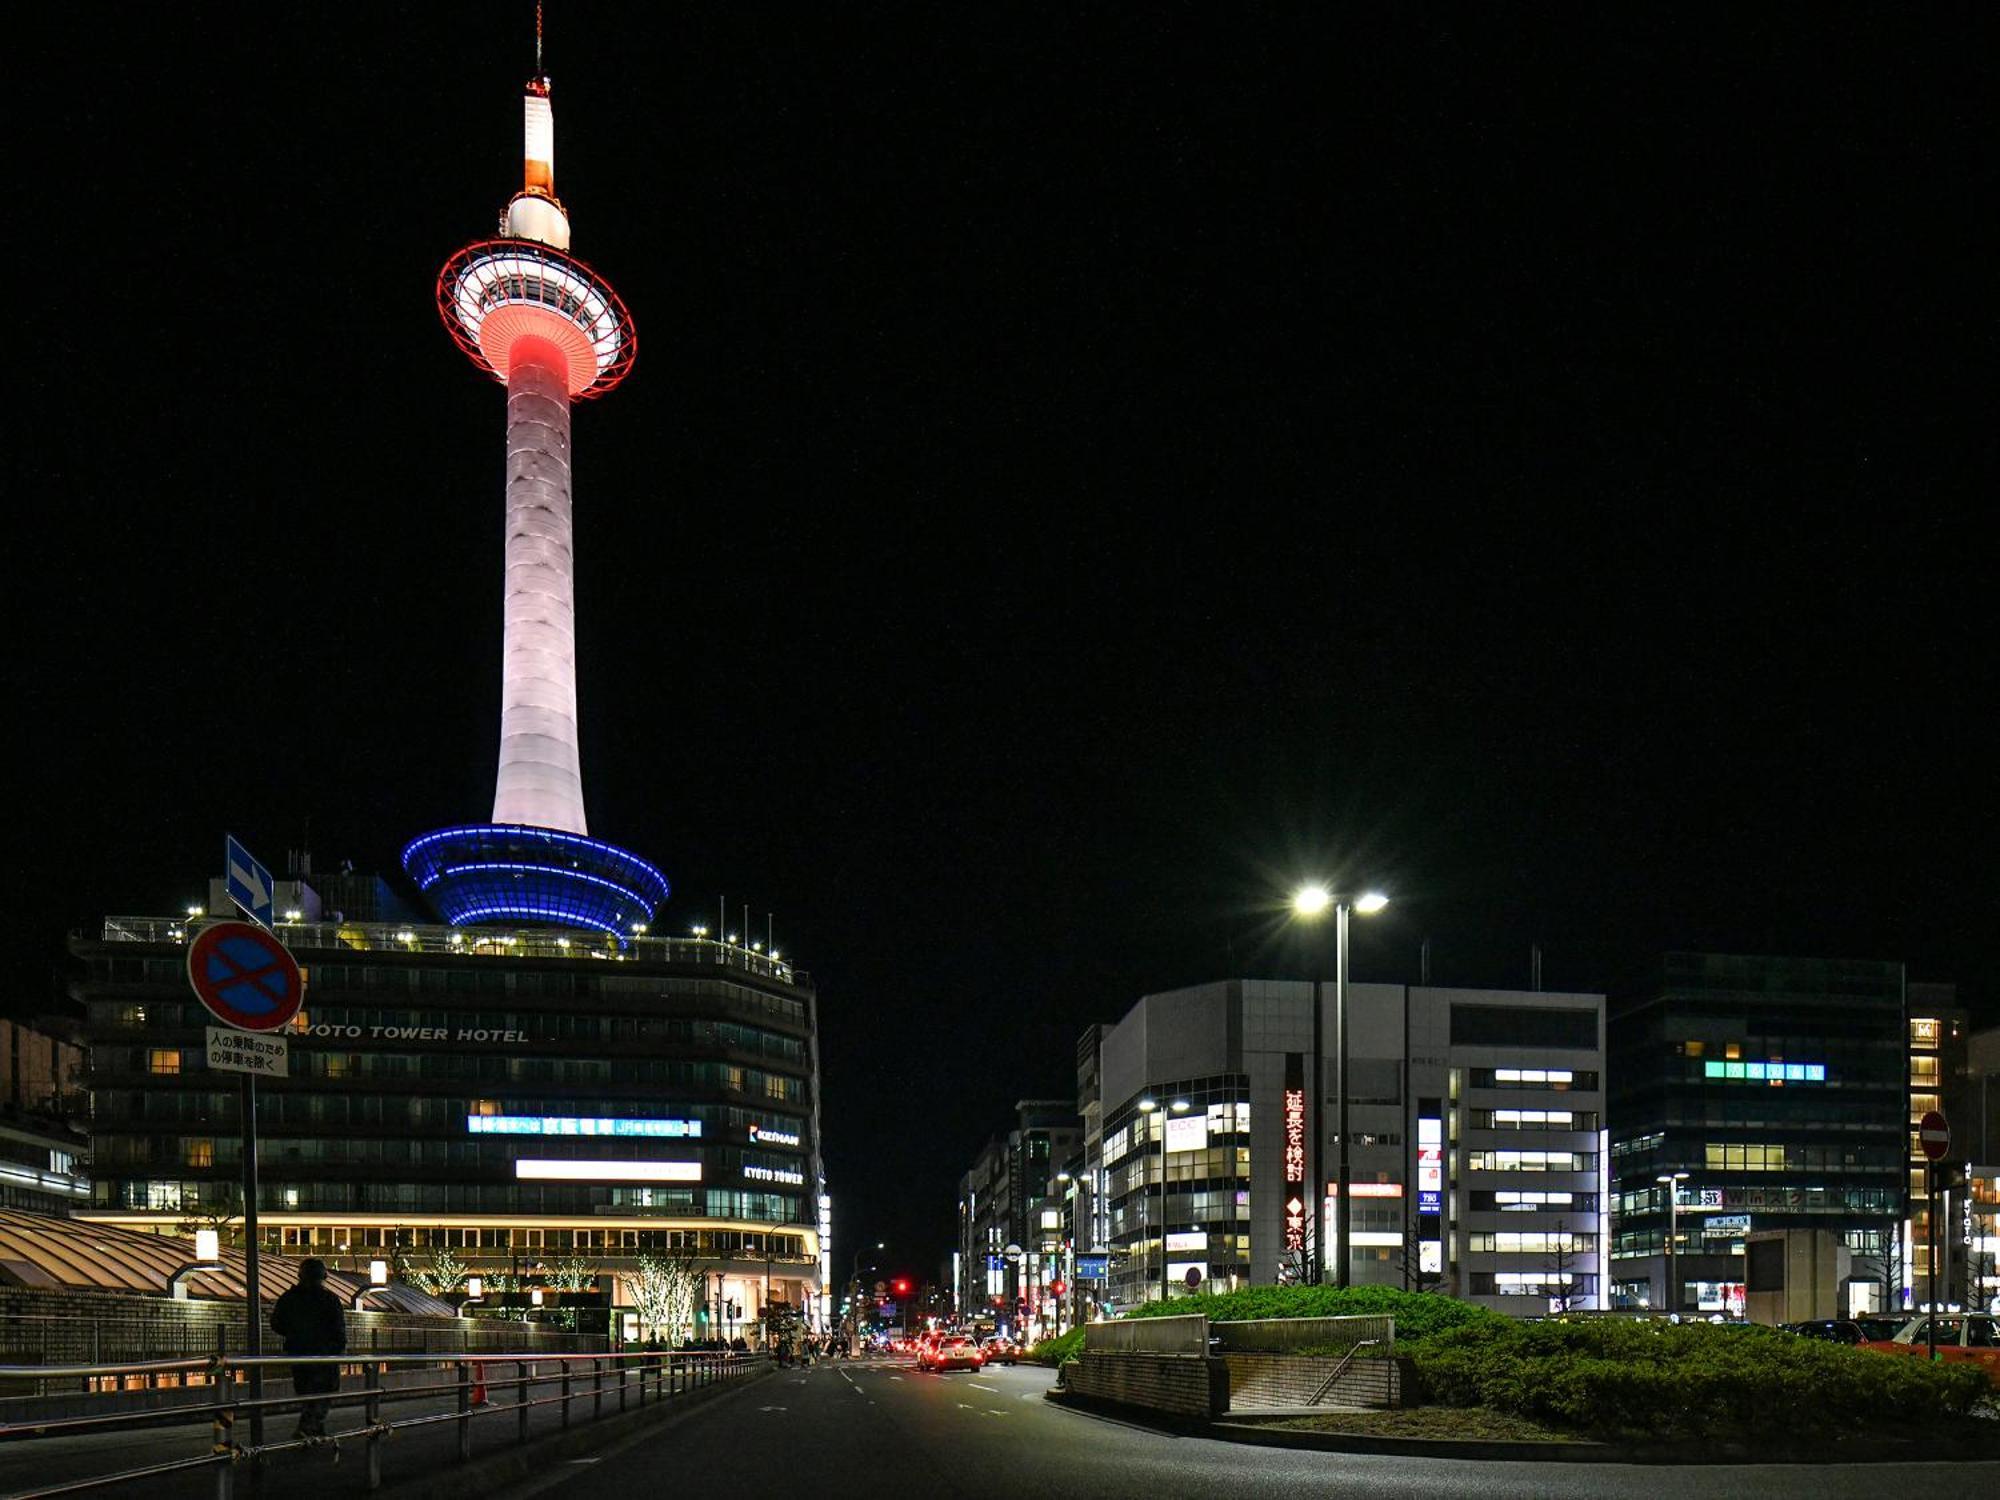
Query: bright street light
{"x": 1309, "y": 902}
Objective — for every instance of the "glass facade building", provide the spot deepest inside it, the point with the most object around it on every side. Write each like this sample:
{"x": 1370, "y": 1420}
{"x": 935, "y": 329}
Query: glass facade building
{"x": 1777, "y": 1086}
{"x": 1475, "y": 1154}
{"x": 508, "y": 1094}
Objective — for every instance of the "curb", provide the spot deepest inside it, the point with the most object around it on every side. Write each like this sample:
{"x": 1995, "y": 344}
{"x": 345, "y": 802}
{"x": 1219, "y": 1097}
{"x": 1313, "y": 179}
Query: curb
{"x": 1574, "y": 1453}
{"x": 484, "y": 1476}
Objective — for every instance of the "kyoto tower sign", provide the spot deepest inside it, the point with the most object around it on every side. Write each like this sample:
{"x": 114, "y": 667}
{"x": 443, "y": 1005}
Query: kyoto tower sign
{"x": 553, "y": 332}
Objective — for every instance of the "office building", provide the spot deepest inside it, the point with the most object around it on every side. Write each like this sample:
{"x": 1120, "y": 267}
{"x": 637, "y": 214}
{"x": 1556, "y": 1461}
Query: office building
{"x": 1011, "y": 1242}
{"x": 1939, "y": 1030}
{"x": 1475, "y": 1154}
{"x": 1770, "y": 1093}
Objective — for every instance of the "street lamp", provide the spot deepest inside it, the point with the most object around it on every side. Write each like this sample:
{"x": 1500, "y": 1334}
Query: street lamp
{"x": 1147, "y": 1106}
{"x": 1673, "y": 1180}
{"x": 1309, "y": 903}
{"x": 854, "y": 1298}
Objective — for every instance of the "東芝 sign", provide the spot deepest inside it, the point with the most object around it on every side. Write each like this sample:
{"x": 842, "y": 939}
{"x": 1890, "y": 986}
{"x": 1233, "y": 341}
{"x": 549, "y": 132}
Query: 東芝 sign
{"x": 231, "y": 1051}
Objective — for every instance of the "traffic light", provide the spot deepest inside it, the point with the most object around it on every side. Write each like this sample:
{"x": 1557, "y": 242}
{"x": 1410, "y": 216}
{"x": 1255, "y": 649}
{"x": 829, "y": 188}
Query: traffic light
{"x": 1057, "y": 1288}
{"x": 902, "y": 1286}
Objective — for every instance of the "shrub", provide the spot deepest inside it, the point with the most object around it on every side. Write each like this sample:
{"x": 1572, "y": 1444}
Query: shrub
{"x": 1692, "y": 1381}
{"x": 1059, "y": 1350}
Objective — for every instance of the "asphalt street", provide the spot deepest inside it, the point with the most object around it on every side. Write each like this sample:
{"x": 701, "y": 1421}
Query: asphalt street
{"x": 883, "y": 1429}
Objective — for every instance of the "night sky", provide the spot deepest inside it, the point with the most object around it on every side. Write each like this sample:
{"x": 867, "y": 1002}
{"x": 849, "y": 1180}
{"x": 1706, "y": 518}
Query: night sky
{"x": 1086, "y": 469}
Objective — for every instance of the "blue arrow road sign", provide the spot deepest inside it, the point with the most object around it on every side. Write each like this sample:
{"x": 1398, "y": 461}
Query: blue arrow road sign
{"x": 250, "y": 884}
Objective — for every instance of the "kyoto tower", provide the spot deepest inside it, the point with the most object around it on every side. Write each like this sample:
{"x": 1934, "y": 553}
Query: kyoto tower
{"x": 552, "y": 331}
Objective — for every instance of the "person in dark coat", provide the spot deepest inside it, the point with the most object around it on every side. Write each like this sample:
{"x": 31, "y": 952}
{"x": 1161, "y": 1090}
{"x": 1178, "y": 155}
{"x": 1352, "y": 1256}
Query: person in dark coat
{"x": 311, "y": 1320}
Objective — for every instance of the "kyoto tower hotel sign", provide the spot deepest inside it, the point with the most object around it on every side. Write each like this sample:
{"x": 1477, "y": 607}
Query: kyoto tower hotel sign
{"x": 553, "y": 332}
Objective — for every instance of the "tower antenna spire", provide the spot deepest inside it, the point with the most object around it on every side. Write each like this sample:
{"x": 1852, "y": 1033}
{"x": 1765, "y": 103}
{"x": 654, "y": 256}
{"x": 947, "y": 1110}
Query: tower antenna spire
{"x": 538, "y": 39}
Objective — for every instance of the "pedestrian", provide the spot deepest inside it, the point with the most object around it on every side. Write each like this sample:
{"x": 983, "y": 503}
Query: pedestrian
{"x": 311, "y": 1320}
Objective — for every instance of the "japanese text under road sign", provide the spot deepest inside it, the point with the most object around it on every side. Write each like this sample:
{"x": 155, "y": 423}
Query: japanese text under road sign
{"x": 231, "y": 1051}
{"x": 244, "y": 976}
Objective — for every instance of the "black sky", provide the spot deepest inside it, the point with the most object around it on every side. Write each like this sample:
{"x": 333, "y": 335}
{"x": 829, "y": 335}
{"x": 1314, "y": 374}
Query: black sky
{"x": 1086, "y": 467}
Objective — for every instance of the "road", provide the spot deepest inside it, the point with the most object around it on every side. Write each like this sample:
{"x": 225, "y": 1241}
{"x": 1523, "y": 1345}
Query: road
{"x": 882, "y": 1429}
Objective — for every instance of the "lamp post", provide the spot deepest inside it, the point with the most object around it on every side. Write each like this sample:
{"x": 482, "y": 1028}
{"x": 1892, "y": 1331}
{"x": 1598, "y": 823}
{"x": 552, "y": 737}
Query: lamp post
{"x": 854, "y": 1298}
{"x": 1147, "y": 1106}
{"x": 1309, "y": 903}
{"x": 1673, "y": 1180}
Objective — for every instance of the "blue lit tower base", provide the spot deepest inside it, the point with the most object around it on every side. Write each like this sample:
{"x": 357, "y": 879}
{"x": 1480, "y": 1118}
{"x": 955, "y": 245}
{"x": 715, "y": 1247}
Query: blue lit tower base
{"x": 513, "y": 875}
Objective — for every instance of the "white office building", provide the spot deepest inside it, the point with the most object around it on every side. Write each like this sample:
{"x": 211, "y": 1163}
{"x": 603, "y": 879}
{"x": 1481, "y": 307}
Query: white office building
{"x": 1476, "y": 1149}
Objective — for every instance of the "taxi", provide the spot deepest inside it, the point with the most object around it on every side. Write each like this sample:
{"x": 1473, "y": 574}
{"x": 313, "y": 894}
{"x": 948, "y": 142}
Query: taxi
{"x": 1962, "y": 1338}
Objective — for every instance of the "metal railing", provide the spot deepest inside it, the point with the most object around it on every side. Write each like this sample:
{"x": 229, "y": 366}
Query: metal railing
{"x": 473, "y": 942}
{"x": 1339, "y": 1370}
{"x": 1187, "y": 1334}
{"x": 238, "y": 1409}
{"x": 1285, "y": 1335}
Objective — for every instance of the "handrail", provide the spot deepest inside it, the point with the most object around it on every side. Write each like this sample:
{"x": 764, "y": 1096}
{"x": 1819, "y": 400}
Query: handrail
{"x": 1341, "y": 1369}
{"x": 237, "y": 1406}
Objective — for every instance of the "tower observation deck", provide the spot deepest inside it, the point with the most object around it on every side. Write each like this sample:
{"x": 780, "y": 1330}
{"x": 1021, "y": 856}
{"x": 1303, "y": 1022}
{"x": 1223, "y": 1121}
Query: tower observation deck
{"x": 551, "y": 330}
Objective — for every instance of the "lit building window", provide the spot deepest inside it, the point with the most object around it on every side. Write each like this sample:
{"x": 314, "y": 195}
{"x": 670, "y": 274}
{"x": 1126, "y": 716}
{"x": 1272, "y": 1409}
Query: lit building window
{"x": 163, "y": 1060}
{"x": 201, "y": 1153}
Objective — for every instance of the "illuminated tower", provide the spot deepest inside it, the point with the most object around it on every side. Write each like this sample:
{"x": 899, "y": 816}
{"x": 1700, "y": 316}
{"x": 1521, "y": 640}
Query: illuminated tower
{"x": 552, "y": 331}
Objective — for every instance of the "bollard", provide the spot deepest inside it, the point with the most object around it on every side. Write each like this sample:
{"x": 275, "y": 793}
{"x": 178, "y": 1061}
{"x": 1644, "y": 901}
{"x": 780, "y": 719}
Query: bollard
{"x": 464, "y": 1411}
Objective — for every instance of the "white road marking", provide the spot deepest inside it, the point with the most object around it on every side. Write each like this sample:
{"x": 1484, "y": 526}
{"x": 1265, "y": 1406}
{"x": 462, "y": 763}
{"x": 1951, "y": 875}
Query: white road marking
{"x": 770, "y": 1408}
{"x": 895, "y": 1377}
{"x": 978, "y": 1387}
{"x": 996, "y": 1412}
{"x": 583, "y": 1460}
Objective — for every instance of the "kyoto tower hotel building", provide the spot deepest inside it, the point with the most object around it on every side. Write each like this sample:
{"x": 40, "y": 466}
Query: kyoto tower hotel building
{"x": 539, "y": 1076}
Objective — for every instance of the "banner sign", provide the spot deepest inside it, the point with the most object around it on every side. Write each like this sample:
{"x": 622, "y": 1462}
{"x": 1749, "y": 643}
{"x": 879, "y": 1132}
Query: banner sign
{"x": 1295, "y": 1152}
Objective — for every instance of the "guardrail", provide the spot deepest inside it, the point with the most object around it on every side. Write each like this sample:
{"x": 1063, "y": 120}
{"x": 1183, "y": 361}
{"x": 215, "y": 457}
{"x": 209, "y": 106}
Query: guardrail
{"x": 239, "y": 1406}
{"x": 1186, "y": 1334}
{"x": 1287, "y": 1335}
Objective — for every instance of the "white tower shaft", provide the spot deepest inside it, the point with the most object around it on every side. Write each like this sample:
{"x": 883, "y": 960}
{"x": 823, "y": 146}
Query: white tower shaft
{"x": 541, "y": 780}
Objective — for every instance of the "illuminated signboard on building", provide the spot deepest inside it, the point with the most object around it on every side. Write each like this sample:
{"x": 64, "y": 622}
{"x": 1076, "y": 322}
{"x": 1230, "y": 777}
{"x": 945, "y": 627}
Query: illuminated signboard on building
{"x": 1187, "y": 1135}
{"x": 1430, "y": 1194}
{"x": 1367, "y": 1189}
{"x": 576, "y": 1125}
{"x": 1295, "y": 1153}
{"x": 772, "y": 1137}
{"x": 774, "y": 1174}
{"x": 1194, "y": 1240}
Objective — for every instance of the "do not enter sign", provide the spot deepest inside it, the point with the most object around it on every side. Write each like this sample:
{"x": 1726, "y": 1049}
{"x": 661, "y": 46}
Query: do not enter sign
{"x": 1934, "y": 1135}
{"x": 244, "y": 976}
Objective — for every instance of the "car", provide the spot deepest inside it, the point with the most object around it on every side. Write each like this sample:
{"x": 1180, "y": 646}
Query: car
{"x": 1831, "y": 1330}
{"x": 1962, "y": 1338}
{"x": 997, "y": 1351}
{"x": 955, "y": 1351}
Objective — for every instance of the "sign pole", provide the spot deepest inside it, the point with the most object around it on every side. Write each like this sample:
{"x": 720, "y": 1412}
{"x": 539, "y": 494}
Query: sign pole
{"x": 1930, "y": 1223}
{"x": 252, "y": 1291}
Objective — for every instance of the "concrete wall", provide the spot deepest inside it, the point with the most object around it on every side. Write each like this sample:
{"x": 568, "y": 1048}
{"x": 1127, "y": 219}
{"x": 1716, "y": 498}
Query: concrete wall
{"x": 1291, "y": 1380}
{"x": 1190, "y": 1386}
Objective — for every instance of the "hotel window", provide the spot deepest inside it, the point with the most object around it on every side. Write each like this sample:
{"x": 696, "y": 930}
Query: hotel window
{"x": 163, "y": 1060}
{"x": 1924, "y": 1031}
{"x": 200, "y": 1152}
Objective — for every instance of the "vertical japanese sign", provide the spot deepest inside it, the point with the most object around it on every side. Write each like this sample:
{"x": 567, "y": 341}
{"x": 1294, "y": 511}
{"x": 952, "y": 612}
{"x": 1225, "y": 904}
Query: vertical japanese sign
{"x": 1430, "y": 1195}
{"x": 1295, "y": 1153}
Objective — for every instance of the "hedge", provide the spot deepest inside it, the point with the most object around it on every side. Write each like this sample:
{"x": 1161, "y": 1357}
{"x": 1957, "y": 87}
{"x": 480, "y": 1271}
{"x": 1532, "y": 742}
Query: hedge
{"x": 1618, "y": 1378}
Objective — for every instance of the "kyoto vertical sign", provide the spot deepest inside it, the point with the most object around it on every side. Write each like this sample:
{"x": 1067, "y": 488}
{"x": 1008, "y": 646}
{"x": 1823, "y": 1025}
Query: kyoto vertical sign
{"x": 1295, "y": 1153}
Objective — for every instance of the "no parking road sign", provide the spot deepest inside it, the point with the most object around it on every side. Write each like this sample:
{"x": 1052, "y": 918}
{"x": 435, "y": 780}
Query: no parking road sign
{"x": 244, "y": 976}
